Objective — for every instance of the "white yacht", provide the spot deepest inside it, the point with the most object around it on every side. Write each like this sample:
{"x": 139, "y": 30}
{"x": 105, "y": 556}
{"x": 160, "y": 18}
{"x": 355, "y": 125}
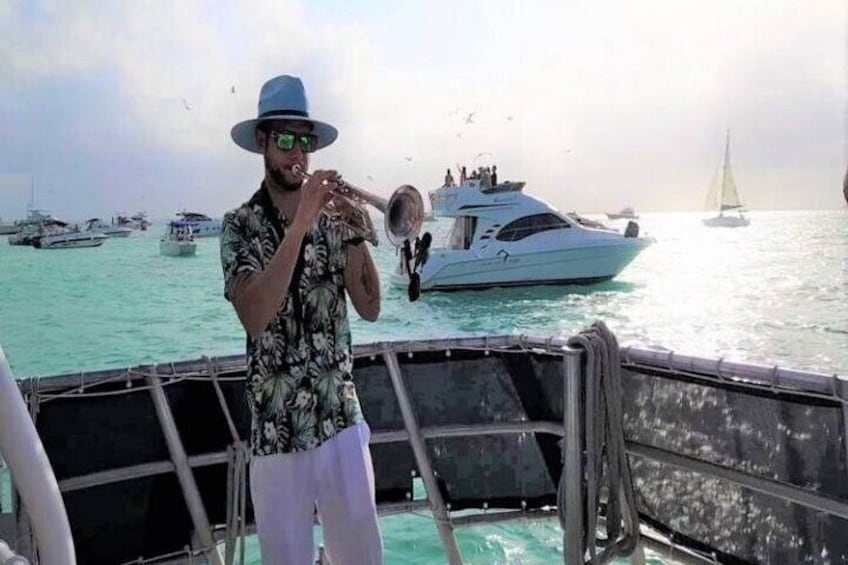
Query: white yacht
{"x": 178, "y": 240}
{"x": 201, "y": 224}
{"x": 626, "y": 213}
{"x": 68, "y": 239}
{"x": 9, "y": 228}
{"x": 96, "y": 225}
{"x": 36, "y": 224}
{"x": 140, "y": 219}
{"x": 509, "y": 238}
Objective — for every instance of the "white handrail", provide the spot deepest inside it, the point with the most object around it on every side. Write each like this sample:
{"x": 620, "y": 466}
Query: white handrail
{"x": 32, "y": 474}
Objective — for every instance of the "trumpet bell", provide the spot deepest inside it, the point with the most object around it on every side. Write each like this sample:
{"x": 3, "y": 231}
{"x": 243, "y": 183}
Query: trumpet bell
{"x": 404, "y": 215}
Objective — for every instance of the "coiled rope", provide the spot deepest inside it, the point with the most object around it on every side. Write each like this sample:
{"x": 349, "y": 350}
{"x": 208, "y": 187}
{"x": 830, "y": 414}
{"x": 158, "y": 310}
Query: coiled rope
{"x": 606, "y": 471}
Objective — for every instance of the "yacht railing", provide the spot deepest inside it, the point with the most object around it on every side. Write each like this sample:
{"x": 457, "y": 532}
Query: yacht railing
{"x": 745, "y": 378}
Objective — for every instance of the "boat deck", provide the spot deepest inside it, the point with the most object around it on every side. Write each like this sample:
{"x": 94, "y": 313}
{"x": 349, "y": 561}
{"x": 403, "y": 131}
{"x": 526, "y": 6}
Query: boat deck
{"x": 729, "y": 461}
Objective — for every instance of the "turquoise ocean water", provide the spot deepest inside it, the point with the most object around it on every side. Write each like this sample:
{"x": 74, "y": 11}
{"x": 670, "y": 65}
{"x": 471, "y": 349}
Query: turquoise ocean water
{"x": 774, "y": 292}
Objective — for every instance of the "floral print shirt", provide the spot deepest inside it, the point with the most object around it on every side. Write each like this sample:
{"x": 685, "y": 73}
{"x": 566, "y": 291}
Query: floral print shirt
{"x": 299, "y": 384}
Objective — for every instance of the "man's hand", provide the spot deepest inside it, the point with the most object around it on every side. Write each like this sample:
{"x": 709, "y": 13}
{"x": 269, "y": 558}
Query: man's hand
{"x": 315, "y": 194}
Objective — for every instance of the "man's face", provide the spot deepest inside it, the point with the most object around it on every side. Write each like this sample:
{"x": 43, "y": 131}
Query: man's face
{"x": 279, "y": 162}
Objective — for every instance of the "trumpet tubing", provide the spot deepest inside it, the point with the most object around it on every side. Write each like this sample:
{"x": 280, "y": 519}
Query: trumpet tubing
{"x": 403, "y": 213}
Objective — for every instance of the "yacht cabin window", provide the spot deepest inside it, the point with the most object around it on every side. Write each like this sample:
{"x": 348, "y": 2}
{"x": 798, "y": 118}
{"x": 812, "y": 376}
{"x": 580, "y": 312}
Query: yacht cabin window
{"x": 462, "y": 232}
{"x": 530, "y": 225}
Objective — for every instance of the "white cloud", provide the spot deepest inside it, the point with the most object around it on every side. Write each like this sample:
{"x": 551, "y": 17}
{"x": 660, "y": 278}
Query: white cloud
{"x": 610, "y": 103}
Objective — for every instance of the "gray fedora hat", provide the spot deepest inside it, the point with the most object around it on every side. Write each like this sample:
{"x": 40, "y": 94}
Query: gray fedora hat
{"x": 282, "y": 98}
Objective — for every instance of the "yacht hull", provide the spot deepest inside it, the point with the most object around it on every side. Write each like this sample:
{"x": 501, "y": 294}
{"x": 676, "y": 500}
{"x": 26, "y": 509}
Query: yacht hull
{"x": 69, "y": 241}
{"x": 449, "y": 270}
{"x": 177, "y": 248}
{"x": 727, "y": 222}
{"x": 118, "y": 232}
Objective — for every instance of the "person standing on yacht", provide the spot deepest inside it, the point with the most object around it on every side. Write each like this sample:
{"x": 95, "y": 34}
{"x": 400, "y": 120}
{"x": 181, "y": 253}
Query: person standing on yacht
{"x": 287, "y": 272}
{"x": 485, "y": 178}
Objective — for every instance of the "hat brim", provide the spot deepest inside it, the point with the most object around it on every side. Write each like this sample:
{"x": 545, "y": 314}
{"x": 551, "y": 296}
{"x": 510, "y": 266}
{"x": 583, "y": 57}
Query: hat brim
{"x": 244, "y": 133}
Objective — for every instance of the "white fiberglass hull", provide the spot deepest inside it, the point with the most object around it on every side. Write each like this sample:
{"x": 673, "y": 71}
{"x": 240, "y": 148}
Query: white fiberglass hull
{"x": 117, "y": 232}
{"x": 467, "y": 269}
{"x": 727, "y": 222}
{"x": 69, "y": 241}
{"x": 177, "y": 248}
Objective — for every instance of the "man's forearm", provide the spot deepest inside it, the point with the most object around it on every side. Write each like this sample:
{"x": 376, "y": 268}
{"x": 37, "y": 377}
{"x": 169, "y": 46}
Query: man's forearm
{"x": 260, "y": 298}
{"x": 363, "y": 283}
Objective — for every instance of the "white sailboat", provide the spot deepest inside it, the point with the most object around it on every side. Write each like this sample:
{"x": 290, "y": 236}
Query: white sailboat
{"x": 724, "y": 196}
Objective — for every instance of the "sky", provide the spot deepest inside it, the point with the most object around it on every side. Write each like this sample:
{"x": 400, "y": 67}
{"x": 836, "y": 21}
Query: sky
{"x": 110, "y": 107}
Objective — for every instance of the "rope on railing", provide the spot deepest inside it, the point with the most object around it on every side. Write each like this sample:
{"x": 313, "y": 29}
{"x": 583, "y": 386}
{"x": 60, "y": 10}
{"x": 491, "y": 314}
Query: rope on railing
{"x": 607, "y": 470}
{"x": 237, "y": 457}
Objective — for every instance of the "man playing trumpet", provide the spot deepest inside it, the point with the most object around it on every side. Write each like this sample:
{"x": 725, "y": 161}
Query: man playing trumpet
{"x": 287, "y": 270}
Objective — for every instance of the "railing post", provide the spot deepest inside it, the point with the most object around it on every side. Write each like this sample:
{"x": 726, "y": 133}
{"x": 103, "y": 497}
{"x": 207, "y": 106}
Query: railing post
{"x": 422, "y": 458}
{"x": 573, "y": 468}
{"x": 196, "y": 510}
{"x": 33, "y": 477}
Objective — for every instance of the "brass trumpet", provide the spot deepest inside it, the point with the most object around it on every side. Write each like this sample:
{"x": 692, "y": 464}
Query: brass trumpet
{"x": 403, "y": 213}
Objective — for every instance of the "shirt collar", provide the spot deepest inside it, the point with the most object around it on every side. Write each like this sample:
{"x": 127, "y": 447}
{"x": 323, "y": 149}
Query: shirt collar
{"x": 262, "y": 198}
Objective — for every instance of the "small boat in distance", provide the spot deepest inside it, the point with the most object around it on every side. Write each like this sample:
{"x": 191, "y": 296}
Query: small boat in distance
{"x": 9, "y": 228}
{"x": 37, "y": 224}
{"x": 626, "y": 213}
{"x": 96, "y": 225}
{"x": 140, "y": 219}
{"x": 69, "y": 239}
{"x": 723, "y": 196}
{"x": 178, "y": 240}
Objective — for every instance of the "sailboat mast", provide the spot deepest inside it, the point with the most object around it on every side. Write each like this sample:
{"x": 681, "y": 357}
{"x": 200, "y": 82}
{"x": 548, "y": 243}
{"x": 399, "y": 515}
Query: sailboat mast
{"x": 845, "y": 186}
{"x": 725, "y": 171}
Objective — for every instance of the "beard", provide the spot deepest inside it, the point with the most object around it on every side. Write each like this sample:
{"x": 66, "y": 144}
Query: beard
{"x": 279, "y": 178}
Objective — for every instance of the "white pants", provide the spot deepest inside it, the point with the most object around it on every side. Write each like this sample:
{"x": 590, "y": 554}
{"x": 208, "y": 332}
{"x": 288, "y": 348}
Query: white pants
{"x": 338, "y": 475}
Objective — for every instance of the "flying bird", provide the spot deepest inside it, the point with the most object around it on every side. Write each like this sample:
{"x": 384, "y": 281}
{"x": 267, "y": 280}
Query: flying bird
{"x": 185, "y": 104}
{"x": 233, "y": 89}
{"x": 408, "y": 159}
{"x": 369, "y": 177}
{"x": 509, "y": 118}
{"x": 469, "y": 119}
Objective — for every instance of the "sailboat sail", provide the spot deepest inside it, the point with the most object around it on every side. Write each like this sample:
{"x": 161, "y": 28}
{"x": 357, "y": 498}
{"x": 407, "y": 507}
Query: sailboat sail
{"x": 712, "y": 201}
{"x": 729, "y": 196}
